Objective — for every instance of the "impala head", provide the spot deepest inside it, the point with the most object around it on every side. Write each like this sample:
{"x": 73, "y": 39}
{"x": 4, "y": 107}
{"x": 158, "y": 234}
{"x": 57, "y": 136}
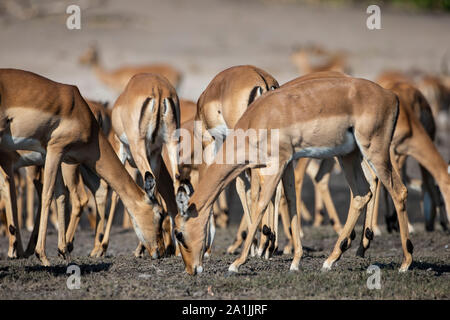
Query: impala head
{"x": 191, "y": 234}
{"x": 90, "y": 56}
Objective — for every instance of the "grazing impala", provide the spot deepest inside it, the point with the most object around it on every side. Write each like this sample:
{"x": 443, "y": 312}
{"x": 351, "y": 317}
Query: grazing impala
{"x": 145, "y": 118}
{"x": 118, "y": 79}
{"x": 312, "y": 58}
{"x": 219, "y": 108}
{"x": 350, "y": 118}
{"x": 52, "y": 119}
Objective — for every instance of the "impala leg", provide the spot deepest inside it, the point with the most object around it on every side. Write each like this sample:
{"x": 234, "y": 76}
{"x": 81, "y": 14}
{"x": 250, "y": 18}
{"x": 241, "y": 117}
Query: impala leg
{"x": 71, "y": 178}
{"x": 299, "y": 175}
{"x": 360, "y": 196}
{"x": 376, "y": 208}
{"x": 431, "y": 201}
{"x": 15, "y": 249}
{"x": 20, "y": 183}
{"x": 139, "y": 251}
{"x": 390, "y": 177}
{"x": 274, "y": 242}
{"x": 241, "y": 235}
{"x": 322, "y": 179}
{"x": 52, "y": 164}
{"x": 37, "y": 182}
{"x": 31, "y": 172}
{"x": 101, "y": 196}
{"x": 172, "y": 151}
{"x": 53, "y": 216}
{"x": 60, "y": 200}
{"x": 265, "y": 231}
{"x": 312, "y": 169}
{"x": 367, "y": 234}
{"x": 286, "y": 222}
{"x": 246, "y": 218}
{"x": 268, "y": 185}
{"x": 305, "y": 213}
{"x": 292, "y": 195}
{"x": 112, "y": 210}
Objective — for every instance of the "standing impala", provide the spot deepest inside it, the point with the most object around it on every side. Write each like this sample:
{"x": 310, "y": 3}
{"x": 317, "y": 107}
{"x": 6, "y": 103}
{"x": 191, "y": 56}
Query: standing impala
{"x": 51, "y": 118}
{"x": 117, "y": 79}
{"x": 350, "y": 118}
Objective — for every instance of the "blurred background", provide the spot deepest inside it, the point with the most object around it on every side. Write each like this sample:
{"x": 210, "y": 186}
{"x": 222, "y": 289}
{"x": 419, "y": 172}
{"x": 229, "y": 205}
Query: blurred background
{"x": 203, "y": 37}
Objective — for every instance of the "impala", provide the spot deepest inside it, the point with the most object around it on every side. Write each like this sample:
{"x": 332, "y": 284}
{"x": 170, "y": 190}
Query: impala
{"x": 350, "y": 118}
{"x": 53, "y": 119}
{"x": 118, "y": 78}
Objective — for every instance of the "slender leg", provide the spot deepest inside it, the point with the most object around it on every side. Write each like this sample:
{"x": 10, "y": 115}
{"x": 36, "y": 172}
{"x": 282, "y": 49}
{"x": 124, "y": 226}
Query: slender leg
{"x": 376, "y": 208}
{"x": 389, "y": 175}
{"x": 60, "y": 200}
{"x": 37, "y": 182}
{"x": 268, "y": 185}
{"x": 15, "y": 249}
{"x": 291, "y": 187}
{"x": 112, "y": 210}
{"x": 367, "y": 234}
{"x": 240, "y": 236}
{"x": 30, "y": 173}
{"x": 71, "y": 178}
{"x": 266, "y": 231}
{"x": 322, "y": 179}
{"x": 299, "y": 174}
{"x": 274, "y": 245}
{"x": 286, "y": 221}
{"x": 360, "y": 196}
{"x": 52, "y": 164}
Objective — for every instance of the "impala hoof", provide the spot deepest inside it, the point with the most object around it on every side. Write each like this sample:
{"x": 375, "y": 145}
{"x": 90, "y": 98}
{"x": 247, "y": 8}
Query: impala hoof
{"x": 326, "y": 266}
{"x": 233, "y": 269}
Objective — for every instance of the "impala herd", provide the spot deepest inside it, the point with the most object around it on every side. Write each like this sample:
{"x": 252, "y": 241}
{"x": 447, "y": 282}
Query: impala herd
{"x": 173, "y": 201}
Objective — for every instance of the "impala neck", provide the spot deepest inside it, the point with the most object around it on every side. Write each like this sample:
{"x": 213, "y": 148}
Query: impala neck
{"x": 109, "y": 168}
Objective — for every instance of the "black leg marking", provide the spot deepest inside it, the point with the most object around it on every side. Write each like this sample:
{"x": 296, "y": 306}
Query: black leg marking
{"x": 369, "y": 234}
{"x": 344, "y": 245}
{"x": 266, "y": 230}
{"x": 101, "y": 237}
{"x": 332, "y": 221}
{"x": 360, "y": 252}
{"x": 244, "y": 235}
{"x": 353, "y": 235}
{"x": 12, "y": 230}
{"x": 409, "y": 246}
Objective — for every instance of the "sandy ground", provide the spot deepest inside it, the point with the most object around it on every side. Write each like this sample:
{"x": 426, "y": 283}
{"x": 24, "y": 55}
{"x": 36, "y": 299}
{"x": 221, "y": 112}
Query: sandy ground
{"x": 201, "y": 38}
{"x": 121, "y": 276}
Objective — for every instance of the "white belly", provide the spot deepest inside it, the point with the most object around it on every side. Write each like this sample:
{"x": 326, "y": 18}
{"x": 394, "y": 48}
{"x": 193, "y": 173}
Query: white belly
{"x": 19, "y": 143}
{"x": 322, "y": 152}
